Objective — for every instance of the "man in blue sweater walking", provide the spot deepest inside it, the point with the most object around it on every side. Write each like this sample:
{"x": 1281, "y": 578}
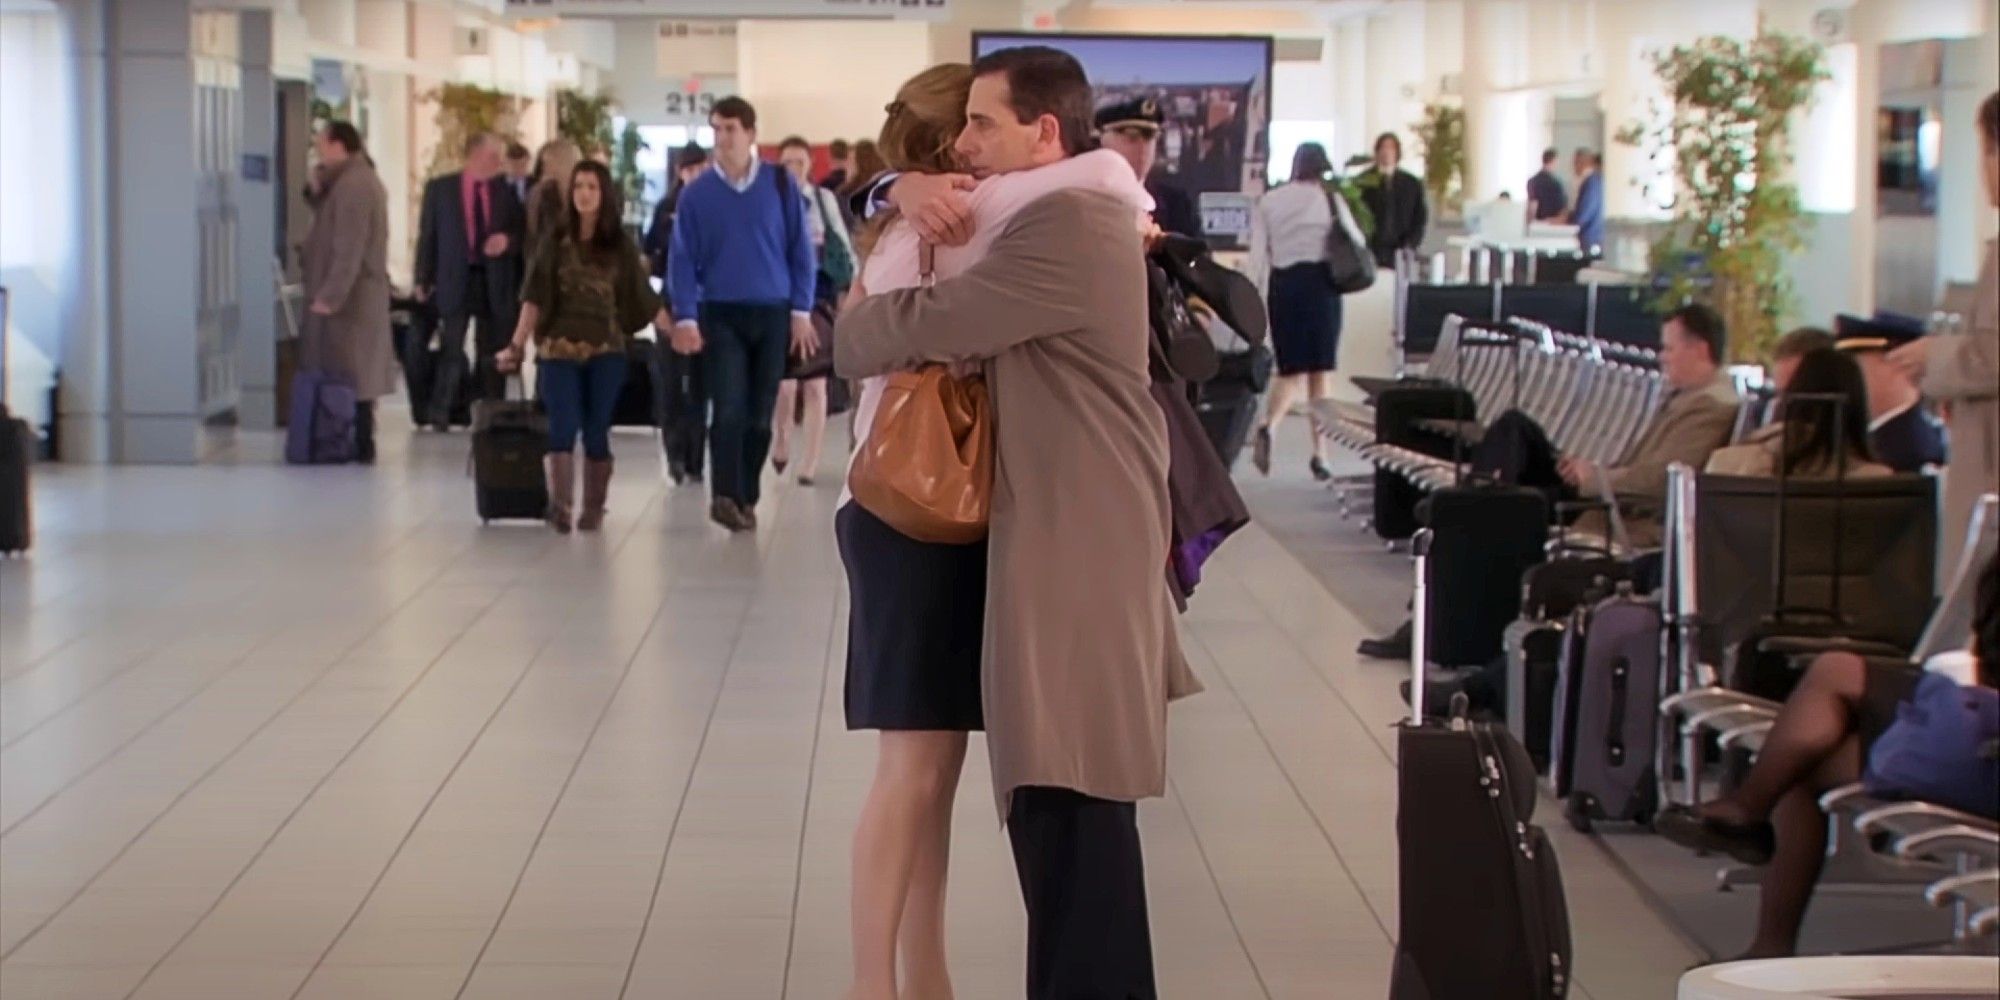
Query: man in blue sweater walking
{"x": 742, "y": 274}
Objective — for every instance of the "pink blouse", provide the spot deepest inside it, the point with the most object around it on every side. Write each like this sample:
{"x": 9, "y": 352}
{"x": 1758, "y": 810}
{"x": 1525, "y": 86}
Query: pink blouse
{"x": 896, "y": 261}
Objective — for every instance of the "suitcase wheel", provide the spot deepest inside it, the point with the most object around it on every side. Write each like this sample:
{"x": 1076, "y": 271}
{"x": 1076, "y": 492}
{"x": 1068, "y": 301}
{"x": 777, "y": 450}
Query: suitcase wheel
{"x": 1577, "y": 809}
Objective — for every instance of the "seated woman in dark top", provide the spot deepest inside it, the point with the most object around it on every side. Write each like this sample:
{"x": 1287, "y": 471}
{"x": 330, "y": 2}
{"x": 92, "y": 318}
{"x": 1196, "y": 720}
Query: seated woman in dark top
{"x": 1819, "y": 742}
{"x": 586, "y": 289}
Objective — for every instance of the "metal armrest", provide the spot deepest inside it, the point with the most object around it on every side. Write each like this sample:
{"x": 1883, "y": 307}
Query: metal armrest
{"x": 1749, "y": 736}
{"x": 1984, "y": 922}
{"x": 1724, "y": 717}
{"x": 1948, "y": 842}
{"x": 1848, "y": 797}
{"x": 1705, "y": 698}
{"x": 1980, "y": 888}
{"x": 1903, "y": 819}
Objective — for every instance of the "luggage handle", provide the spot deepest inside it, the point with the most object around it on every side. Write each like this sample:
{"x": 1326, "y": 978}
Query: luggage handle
{"x": 1420, "y": 548}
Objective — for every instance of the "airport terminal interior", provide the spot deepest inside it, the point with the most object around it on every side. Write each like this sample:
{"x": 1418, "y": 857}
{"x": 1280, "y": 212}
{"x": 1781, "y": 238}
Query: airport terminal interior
{"x": 1628, "y": 365}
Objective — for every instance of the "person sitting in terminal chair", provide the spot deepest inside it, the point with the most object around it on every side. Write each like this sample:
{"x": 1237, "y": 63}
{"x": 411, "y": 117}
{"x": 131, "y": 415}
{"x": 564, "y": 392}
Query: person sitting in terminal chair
{"x": 1697, "y": 417}
{"x": 1821, "y": 740}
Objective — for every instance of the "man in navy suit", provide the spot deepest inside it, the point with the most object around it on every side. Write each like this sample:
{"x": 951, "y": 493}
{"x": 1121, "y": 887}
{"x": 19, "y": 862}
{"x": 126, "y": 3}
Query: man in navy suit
{"x": 468, "y": 266}
{"x": 1903, "y": 436}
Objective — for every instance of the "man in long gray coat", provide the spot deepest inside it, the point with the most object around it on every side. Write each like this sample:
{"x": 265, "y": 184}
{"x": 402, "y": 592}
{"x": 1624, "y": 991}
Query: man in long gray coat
{"x": 346, "y": 260}
{"x": 1081, "y": 654}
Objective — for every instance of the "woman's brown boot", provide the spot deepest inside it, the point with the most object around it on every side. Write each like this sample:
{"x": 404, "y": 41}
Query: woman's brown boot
{"x": 562, "y": 488}
{"x": 596, "y": 487}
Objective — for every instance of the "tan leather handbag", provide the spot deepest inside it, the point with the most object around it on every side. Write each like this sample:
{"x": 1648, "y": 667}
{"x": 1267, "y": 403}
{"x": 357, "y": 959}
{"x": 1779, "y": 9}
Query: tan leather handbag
{"x": 927, "y": 467}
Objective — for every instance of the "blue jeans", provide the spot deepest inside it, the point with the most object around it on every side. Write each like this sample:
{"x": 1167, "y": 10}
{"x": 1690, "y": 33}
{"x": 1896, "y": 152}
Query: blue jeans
{"x": 743, "y": 360}
{"x": 579, "y": 396}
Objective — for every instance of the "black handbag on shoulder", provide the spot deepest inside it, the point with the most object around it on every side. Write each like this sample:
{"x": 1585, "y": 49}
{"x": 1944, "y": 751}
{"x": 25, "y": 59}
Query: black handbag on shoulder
{"x": 1349, "y": 264}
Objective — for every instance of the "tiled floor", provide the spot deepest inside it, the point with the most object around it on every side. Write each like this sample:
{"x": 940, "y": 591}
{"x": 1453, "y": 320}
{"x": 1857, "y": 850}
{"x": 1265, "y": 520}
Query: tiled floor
{"x": 276, "y": 732}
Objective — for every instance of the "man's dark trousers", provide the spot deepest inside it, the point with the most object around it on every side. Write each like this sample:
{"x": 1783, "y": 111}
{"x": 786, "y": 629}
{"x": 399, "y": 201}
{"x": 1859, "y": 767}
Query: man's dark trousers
{"x": 743, "y": 358}
{"x": 486, "y": 304}
{"x": 1083, "y": 879}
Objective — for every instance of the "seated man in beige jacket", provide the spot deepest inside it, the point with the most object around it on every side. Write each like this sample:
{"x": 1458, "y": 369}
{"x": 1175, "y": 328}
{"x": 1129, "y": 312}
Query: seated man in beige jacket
{"x": 1697, "y": 417}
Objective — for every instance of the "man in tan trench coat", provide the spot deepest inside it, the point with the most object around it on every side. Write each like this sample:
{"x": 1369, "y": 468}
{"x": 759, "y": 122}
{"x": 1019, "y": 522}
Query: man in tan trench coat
{"x": 1081, "y": 654}
{"x": 346, "y": 258}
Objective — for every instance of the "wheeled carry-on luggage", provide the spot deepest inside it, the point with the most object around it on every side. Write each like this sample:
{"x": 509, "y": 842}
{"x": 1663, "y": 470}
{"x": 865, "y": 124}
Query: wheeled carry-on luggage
{"x": 1550, "y": 595}
{"x": 17, "y": 452}
{"x": 509, "y": 439}
{"x": 1482, "y": 910}
{"x": 1611, "y": 715}
{"x": 320, "y": 429}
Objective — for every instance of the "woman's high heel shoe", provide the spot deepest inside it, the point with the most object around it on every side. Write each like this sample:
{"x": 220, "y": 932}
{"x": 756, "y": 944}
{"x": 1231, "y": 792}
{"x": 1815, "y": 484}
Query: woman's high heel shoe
{"x": 1260, "y": 452}
{"x": 1321, "y": 474}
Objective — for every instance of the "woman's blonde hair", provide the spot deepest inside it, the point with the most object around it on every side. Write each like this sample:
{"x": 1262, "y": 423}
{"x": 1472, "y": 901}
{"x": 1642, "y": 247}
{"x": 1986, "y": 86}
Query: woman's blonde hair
{"x": 924, "y": 120}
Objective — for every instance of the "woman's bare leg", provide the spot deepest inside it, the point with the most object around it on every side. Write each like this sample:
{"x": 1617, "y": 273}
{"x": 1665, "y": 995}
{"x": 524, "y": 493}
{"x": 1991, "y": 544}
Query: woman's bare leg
{"x": 814, "y": 391}
{"x": 912, "y": 769}
{"x": 1319, "y": 386}
{"x": 926, "y": 973}
{"x": 781, "y": 423}
{"x": 1816, "y": 722}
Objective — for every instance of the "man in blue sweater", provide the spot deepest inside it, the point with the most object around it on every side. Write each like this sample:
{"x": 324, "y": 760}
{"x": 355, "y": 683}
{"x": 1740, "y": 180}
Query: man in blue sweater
{"x": 741, "y": 278}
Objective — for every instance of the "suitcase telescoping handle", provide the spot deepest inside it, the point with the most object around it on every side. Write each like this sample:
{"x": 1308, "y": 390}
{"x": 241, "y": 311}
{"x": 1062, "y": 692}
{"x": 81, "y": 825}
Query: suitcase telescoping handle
{"x": 1420, "y": 624}
{"x": 1781, "y": 544}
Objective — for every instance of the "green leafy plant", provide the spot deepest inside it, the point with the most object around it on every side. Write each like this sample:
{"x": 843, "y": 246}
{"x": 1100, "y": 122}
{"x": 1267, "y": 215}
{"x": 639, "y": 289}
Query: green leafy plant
{"x": 625, "y": 169}
{"x": 464, "y": 110}
{"x": 1441, "y": 131}
{"x": 1728, "y": 137}
{"x": 585, "y": 119}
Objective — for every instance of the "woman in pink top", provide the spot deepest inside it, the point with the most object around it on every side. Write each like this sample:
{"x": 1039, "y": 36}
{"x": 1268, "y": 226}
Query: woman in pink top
{"x": 917, "y": 610}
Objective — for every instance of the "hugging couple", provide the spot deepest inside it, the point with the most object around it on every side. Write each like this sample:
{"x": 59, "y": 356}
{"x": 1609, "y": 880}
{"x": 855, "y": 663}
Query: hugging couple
{"x": 1056, "y": 633}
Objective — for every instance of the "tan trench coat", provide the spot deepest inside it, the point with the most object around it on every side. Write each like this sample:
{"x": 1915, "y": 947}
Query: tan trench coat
{"x": 346, "y": 259}
{"x": 1081, "y": 650}
{"x": 1964, "y": 372}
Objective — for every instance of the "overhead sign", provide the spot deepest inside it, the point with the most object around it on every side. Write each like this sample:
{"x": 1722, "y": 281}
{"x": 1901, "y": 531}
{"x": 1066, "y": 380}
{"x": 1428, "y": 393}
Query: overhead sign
{"x": 695, "y": 46}
{"x": 929, "y": 10}
{"x": 683, "y": 100}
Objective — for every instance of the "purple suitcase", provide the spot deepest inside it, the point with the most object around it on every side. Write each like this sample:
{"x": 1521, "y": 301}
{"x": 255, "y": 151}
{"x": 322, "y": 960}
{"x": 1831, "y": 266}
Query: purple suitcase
{"x": 321, "y": 426}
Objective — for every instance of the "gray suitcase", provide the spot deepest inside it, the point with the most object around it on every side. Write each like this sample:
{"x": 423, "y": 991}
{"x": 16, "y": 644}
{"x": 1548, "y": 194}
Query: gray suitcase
{"x": 1612, "y": 724}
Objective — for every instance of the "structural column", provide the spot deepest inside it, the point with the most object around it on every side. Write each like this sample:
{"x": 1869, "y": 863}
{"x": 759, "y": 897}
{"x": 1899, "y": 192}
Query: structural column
{"x": 151, "y": 233}
{"x": 256, "y": 230}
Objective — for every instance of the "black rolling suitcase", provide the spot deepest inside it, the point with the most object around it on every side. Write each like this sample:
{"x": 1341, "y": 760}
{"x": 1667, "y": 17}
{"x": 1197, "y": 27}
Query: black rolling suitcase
{"x": 17, "y": 452}
{"x": 412, "y": 323}
{"x": 1482, "y": 911}
{"x": 509, "y": 438}
{"x": 1397, "y": 411}
{"x": 640, "y": 400}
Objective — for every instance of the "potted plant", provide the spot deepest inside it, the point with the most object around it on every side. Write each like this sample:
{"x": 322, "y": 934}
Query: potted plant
{"x": 1736, "y": 216}
{"x": 585, "y": 119}
{"x": 1442, "y": 133}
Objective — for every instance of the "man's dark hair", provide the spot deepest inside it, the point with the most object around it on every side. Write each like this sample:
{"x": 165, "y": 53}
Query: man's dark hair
{"x": 735, "y": 109}
{"x": 1391, "y": 139}
{"x": 1703, "y": 324}
{"x": 1587, "y": 153}
{"x": 838, "y": 149}
{"x": 516, "y": 151}
{"x": 1549, "y": 156}
{"x": 1045, "y": 81}
{"x": 795, "y": 142}
{"x": 605, "y": 234}
{"x": 1989, "y": 118}
{"x": 1801, "y": 342}
{"x": 347, "y": 136}
{"x": 476, "y": 140}
{"x": 1310, "y": 162}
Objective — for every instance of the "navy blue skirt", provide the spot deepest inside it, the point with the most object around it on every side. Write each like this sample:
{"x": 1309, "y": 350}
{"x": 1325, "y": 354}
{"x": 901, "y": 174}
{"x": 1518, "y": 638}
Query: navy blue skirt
{"x": 1305, "y": 319}
{"x": 915, "y": 627}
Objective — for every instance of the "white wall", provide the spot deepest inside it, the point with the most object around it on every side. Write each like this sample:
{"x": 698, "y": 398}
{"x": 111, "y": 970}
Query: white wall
{"x": 826, "y": 79}
{"x": 41, "y": 210}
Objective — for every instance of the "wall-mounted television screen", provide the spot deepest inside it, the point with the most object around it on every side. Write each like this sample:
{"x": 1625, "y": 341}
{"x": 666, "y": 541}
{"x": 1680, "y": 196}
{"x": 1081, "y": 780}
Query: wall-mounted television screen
{"x": 1214, "y": 92}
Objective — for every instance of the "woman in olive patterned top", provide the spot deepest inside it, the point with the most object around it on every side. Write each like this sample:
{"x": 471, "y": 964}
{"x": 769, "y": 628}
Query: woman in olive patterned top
{"x": 586, "y": 290}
